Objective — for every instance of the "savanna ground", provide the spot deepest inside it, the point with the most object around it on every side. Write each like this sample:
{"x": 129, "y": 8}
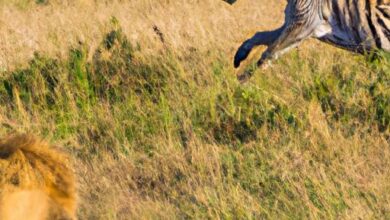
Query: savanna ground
{"x": 143, "y": 96}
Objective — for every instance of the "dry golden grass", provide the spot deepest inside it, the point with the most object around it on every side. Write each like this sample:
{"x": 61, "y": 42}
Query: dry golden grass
{"x": 185, "y": 24}
{"x": 36, "y": 181}
{"x": 161, "y": 129}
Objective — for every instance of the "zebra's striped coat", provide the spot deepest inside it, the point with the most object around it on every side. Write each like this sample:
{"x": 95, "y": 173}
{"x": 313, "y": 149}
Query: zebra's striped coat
{"x": 358, "y": 25}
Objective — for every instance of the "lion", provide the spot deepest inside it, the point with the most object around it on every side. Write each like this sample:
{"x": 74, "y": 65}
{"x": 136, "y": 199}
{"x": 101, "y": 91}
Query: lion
{"x": 36, "y": 181}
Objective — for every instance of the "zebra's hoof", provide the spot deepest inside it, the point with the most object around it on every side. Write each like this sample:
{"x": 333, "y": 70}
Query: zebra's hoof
{"x": 244, "y": 77}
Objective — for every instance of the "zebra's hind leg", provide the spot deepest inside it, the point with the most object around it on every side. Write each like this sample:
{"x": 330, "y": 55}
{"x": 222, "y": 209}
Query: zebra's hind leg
{"x": 289, "y": 39}
{"x": 263, "y": 63}
{"x": 260, "y": 38}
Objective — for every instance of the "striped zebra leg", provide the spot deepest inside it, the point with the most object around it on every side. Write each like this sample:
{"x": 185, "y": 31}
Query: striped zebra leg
{"x": 290, "y": 38}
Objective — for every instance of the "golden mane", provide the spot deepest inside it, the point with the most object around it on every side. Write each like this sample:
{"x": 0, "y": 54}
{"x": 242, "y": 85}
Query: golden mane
{"x": 36, "y": 181}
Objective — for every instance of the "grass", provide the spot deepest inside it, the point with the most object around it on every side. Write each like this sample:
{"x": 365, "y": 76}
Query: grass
{"x": 172, "y": 134}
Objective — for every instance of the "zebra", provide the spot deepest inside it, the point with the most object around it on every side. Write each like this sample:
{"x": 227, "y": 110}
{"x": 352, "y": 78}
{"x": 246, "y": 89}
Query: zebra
{"x": 360, "y": 26}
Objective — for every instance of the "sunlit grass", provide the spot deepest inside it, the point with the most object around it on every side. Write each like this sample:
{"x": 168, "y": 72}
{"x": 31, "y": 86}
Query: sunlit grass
{"x": 173, "y": 134}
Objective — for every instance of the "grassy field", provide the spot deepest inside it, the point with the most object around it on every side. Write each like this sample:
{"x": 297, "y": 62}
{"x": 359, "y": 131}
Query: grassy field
{"x": 144, "y": 97}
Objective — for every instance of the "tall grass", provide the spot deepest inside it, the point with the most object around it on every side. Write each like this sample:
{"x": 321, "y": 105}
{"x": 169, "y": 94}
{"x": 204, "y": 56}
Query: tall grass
{"x": 172, "y": 134}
